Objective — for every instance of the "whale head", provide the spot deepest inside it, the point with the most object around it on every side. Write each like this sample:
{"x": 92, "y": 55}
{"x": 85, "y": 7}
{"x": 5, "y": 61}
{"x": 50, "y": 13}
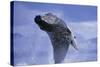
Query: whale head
{"x": 48, "y": 22}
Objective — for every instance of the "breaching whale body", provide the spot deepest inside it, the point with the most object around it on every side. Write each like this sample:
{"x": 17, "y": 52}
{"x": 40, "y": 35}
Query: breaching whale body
{"x": 60, "y": 35}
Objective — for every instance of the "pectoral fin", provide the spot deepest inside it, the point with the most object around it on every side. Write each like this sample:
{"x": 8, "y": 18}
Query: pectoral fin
{"x": 74, "y": 44}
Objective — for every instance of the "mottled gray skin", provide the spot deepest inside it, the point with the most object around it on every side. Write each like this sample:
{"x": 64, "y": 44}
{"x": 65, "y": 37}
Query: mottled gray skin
{"x": 60, "y": 35}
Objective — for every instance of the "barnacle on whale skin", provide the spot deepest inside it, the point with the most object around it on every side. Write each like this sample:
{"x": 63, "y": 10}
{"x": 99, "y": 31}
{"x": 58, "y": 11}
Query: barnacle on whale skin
{"x": 60, "y": 35}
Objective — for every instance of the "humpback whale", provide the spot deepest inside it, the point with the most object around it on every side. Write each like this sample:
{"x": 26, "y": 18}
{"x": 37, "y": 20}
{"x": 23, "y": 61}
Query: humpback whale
{"x": 60, "y": 35}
